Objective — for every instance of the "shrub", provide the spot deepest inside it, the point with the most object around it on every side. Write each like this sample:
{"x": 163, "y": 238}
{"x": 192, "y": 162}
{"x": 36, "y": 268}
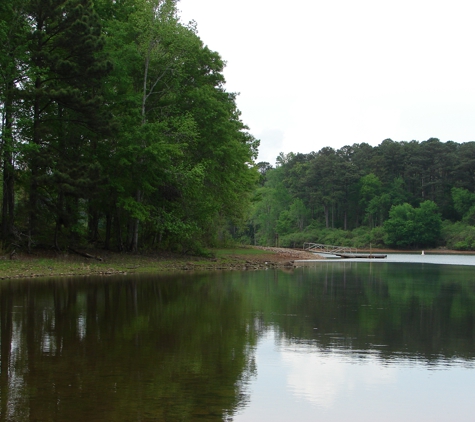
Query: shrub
{"x": 459, "y": 236}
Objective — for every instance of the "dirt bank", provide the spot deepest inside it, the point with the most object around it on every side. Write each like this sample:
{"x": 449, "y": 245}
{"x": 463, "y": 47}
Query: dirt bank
{"x": 48, "y": 263}
{"x": 54, "y": 264}
{"x": 282, "y": 254}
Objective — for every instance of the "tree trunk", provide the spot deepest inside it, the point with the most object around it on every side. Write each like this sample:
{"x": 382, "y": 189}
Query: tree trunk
{"x": 135, "y": 226}
{"x": 120, "y": 245}
{"x": 8, "y": 200}
{"x": 108, "y": 231}
{"x": 93, "y": 223}
{"x": 33, "y": 197}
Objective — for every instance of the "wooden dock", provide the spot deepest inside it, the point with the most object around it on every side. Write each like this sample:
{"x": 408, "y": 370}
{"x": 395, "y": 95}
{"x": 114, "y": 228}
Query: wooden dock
{"x": 341, "y": 251}
{"x": 328, "y": 249}
{"x": 362, "y": 255}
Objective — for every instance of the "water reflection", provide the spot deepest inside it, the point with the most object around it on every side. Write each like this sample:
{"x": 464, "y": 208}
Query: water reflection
{"x": 238, "y": 346}
{"x": 122, "y": 349}
{"x": 334, "y": 386}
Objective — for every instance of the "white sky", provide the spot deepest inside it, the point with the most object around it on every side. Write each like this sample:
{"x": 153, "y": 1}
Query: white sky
{"x": 316, "y": 73}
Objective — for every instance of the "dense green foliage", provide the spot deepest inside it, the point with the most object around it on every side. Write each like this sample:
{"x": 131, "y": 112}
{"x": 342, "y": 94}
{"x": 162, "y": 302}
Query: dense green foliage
{"x": 408, "y": 226}
{"x": 117, "y": 131}
{"x": 398, "y": 194}
{"x": 116, "y": 128}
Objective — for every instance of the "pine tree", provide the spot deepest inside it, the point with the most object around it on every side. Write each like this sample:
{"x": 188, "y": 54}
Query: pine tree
{"x": 66, "y": 70}
{"x": 13, "y": 31}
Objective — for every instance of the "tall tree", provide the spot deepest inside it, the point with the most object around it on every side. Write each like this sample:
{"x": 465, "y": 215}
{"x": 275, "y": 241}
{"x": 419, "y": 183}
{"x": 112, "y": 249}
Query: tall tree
{"x": 66, "y": 67}
{"x": 324, "y": 181}
{"x": 183, "y": 158}
{"x": 370, "y": 197}
{"x": 13, "y": 32}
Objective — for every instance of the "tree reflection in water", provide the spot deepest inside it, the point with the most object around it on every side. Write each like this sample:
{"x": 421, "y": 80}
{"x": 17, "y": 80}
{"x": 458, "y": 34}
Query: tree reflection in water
{"x": 182, "y": 347}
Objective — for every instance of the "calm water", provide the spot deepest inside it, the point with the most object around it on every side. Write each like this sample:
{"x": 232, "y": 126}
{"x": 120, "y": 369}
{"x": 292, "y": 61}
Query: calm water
{"x": 416, "y": 258}
{"x": 336, "y": 341}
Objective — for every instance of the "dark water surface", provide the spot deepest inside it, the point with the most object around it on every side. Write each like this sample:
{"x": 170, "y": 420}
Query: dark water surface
{"x": 336, "y": 341}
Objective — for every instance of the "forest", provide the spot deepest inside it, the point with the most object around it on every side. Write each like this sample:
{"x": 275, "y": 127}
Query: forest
{"x": 116, "y": 129}
{"x": 397, "y": 194}
{"x": 117, "y": 132}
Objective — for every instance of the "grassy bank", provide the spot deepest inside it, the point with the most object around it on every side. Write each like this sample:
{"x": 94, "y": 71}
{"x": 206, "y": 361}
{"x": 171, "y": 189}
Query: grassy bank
{"x": 45, "y": 264}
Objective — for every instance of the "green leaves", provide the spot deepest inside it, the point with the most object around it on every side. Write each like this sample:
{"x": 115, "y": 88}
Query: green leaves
{"x": 359, "y": 184}
{"x": 400, "y": 226}
{"x": 181, "y": 148}
{"x": 115, "y": 114}
{"x": 409, "y": 227}
{"x": 463, "y": 201}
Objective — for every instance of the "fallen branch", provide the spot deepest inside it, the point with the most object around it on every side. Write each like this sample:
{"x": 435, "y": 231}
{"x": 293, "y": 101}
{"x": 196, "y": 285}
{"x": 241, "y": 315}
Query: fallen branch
{"x": 85, "y": 255}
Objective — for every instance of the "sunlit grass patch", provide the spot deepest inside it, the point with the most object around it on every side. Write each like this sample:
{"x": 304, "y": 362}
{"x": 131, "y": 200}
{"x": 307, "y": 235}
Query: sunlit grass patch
{"x": 67, "y": 264}
{"x": 220, "y": 253}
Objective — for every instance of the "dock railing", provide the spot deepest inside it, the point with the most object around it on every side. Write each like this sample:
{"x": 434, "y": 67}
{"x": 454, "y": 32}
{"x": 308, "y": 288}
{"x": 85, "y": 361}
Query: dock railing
{"x": 330, "y": 249}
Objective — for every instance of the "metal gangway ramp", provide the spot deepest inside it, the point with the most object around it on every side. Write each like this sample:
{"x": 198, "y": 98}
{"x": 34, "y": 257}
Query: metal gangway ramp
{"x": 329, "y": 249}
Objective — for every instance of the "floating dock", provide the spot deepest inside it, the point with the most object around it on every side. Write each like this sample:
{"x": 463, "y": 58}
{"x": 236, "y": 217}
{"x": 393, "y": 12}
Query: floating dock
{"x": 362, "y": 255}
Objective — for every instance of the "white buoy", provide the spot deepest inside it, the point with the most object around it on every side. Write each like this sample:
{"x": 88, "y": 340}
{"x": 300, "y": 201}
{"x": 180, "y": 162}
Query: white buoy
{"x": 422, "y": 253}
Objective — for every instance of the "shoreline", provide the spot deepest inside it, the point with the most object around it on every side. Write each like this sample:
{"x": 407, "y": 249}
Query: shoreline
{"x": 418, "y": 251}
{"x": 240, "y": 258}
{"x": 45, "y": 264}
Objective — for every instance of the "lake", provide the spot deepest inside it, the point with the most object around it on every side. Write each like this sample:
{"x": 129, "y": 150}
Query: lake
{"x": 338, "y": 340}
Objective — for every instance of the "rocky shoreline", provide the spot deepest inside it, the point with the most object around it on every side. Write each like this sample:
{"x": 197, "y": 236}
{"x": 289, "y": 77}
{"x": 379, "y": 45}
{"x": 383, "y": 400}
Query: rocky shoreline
{"x": 48, "y": 264}
{"x": 101, "y": 263}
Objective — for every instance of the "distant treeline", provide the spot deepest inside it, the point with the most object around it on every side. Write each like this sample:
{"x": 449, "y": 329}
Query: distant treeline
{"x": 116, "y": 129}
{"x": 400, "y": 194}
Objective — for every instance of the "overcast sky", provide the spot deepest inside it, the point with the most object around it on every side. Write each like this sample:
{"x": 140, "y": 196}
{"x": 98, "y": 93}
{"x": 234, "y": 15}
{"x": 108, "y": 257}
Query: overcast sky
{"x": 314, "y": 73}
